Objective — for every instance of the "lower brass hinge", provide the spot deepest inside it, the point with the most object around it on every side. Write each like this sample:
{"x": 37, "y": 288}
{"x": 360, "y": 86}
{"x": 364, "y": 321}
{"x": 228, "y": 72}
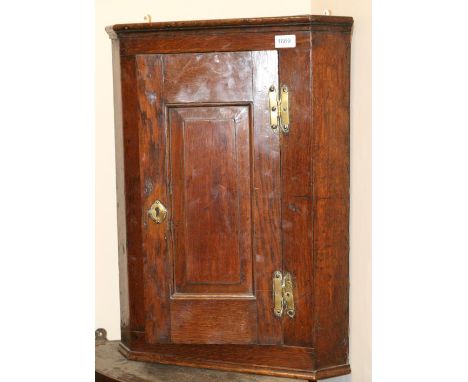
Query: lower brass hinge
{"x": 283, "y": 296}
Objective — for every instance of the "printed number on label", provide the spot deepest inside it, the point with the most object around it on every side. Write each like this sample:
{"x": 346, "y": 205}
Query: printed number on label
{"x": 285, "y": 41}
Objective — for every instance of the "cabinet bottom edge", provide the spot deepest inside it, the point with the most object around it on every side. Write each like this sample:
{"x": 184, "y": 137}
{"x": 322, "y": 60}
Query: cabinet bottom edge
{"x": 180, "y": 360}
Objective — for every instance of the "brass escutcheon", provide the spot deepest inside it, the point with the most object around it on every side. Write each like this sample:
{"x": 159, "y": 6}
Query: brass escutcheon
{"x": 157, "y": 212}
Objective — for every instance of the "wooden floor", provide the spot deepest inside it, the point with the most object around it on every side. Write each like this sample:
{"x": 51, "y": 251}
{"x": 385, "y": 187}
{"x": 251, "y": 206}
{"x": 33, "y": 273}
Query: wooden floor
{"x": 112, "y": 366}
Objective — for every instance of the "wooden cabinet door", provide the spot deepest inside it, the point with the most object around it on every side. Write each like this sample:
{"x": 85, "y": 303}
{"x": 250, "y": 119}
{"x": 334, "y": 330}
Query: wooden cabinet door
{"x": 208, "y": 154}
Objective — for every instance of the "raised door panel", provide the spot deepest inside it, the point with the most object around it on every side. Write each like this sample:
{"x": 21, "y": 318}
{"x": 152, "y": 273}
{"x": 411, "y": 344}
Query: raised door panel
{"x": 211, "y": 198}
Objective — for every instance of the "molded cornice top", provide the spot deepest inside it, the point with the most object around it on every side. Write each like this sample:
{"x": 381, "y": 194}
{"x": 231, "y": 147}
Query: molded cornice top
{"x": 309, "y": 21}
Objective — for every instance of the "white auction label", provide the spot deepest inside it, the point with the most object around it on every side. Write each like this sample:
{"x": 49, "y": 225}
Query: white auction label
{"x": 285, "y": 41}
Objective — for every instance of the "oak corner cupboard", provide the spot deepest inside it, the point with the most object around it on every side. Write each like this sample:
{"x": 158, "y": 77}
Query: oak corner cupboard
{"x": 232, "y": 151}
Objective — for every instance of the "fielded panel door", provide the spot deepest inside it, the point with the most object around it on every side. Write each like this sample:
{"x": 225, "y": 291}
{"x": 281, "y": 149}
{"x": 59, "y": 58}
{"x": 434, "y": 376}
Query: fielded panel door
{"x": 210, "y": 157}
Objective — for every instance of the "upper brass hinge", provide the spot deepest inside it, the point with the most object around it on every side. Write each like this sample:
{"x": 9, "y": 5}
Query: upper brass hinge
{"x": 283, "y": 296}
{"x": 279, "y": 109}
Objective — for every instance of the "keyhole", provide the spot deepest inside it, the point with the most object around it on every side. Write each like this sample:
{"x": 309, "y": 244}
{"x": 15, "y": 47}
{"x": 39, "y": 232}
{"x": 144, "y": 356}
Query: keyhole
{"x": 157, "y": 211}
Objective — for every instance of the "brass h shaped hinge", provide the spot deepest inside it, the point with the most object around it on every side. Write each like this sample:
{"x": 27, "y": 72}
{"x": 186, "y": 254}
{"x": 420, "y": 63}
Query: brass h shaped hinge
{"x": 283, "y": 294}
{"x": 279, "y": 109}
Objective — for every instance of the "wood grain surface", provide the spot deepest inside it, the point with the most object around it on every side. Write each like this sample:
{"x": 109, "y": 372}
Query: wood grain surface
{"x": 296, "y": 195}
{"x": 211, "y": 184}
{"x": 330, "y": 108}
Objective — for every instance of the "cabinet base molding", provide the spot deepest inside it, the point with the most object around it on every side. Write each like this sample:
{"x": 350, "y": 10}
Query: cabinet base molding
{"x": 300, "y": 355}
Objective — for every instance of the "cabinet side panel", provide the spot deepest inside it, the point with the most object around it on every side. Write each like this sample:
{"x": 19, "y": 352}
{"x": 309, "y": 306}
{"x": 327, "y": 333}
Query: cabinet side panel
{"x": 296, "y": 180}
{"x": 120, "y": 184}
{"x": 128, "y": 200}
{"x": 330, "y": 106}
